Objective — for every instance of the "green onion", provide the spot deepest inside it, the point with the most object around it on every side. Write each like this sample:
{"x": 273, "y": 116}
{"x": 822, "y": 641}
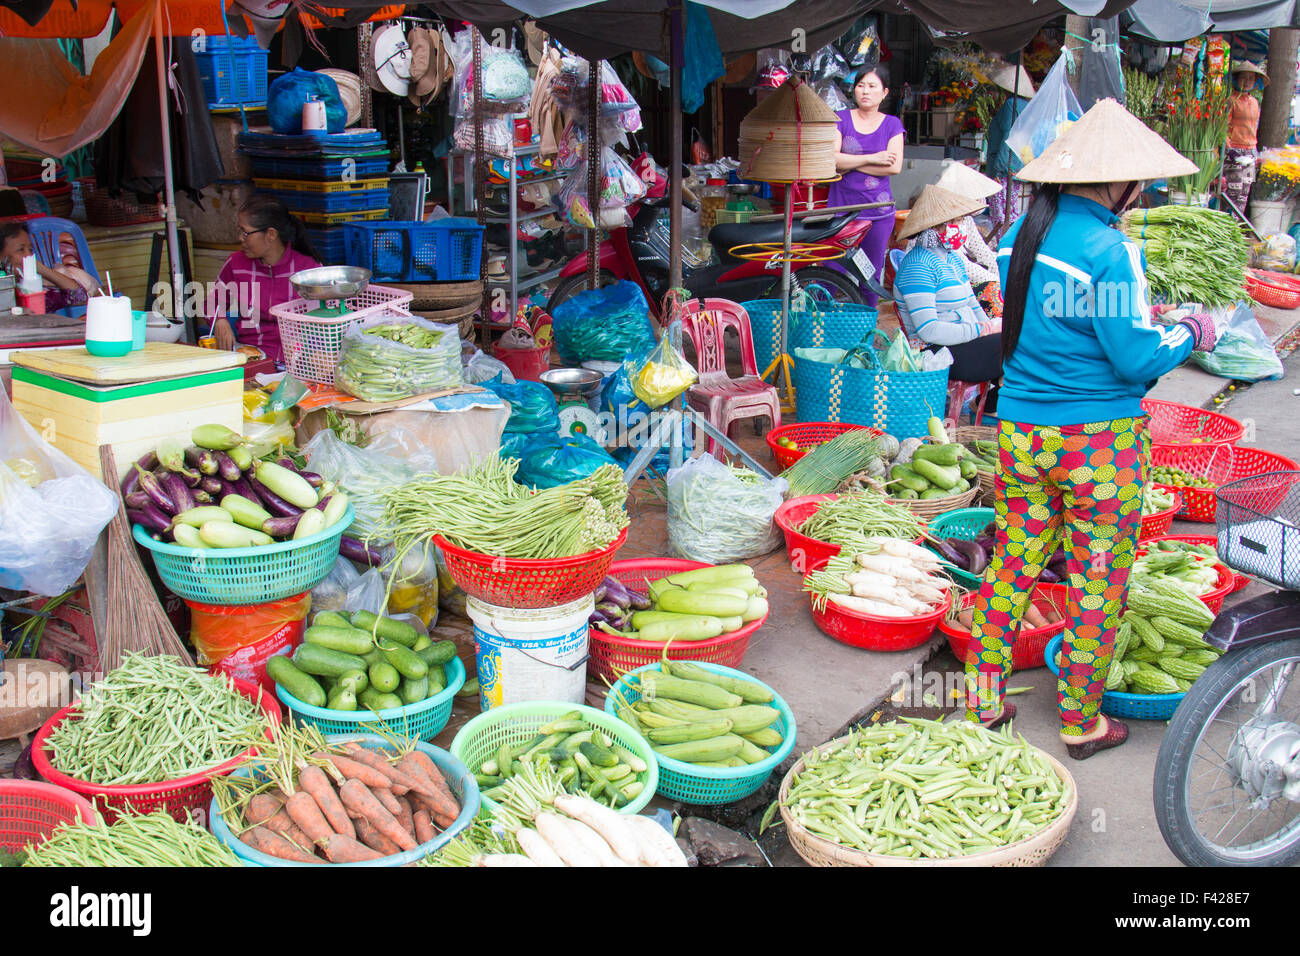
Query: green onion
{"x": 826, "y": 466}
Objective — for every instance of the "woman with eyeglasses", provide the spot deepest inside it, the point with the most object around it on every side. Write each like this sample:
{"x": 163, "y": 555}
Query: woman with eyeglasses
{"x": 273, "y": 246}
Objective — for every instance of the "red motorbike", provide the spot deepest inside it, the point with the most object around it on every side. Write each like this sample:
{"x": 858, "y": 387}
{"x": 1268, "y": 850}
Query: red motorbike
{"x": 639, "y": 254}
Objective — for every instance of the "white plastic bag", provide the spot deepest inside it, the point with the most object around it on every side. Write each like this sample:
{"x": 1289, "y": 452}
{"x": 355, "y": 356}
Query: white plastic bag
{"x": 722, "y": 515}
{"x": 51, "y": 510}
{"x": 362, "y": 472}
{"x": 481, "y": 367}
{"x": 1052, "y": 111}
{"x": 1243, "y": 352}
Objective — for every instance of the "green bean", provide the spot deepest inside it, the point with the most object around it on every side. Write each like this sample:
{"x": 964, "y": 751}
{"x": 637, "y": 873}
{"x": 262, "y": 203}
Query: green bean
{"x": 153, "y": 839}
{"x": 854, "y": 517}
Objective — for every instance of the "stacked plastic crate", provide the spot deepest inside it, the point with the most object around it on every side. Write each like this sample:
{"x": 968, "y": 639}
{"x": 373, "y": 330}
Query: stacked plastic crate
{"x": 327, "y": 180}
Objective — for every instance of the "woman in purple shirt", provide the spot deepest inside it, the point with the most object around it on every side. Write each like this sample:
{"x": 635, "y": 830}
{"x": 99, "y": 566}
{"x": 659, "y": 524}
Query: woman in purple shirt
{"x": 870, "y": 150}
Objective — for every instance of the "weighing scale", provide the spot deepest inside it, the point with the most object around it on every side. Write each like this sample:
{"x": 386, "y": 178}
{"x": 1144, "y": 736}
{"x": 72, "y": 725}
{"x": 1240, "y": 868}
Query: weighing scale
{"x": 330, "y": 285}
{"x": 573, "y": 388}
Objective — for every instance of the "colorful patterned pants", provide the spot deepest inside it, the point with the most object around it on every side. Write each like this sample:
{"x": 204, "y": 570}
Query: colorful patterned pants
{"x": 999, "y": 211}
{"x": 1080, "y": 485}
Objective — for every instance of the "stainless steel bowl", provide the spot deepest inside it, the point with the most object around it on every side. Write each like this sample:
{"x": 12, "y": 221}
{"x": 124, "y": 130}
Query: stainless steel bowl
{"x": 571, "y": 382}
{"x": 330, "y": 282}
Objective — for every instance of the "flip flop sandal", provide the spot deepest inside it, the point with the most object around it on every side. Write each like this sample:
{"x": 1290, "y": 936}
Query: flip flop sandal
{"x": 1116, "y": 733}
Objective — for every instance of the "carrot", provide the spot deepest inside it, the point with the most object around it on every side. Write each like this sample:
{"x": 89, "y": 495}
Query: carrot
{"x": 374, "y": 839}
{"x": 406, "y": 816}
{"x": 358, "y": 797}
{"x": 261, "y": 807}
{"x": 1034, "y": 617}
{"x": 397, "y": 777}
{"x": 313, "y": 780}
{"x": 437, "y": 797}
{"x": 283, "y": 824}
{"x": 437, "y": 816}
{"x": 423, "y": 826}
{"x": 341, "y": 849}
{"x": 388, "y": 799}
{"x": 306, "y": 813}
{"x": 355, "y": 770}
{"x": 272, "y": 844}
{"x": 425, "y": 763}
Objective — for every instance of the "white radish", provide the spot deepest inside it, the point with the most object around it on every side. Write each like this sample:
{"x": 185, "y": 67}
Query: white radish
{"x": 611, "y": 826}
{"x": 505, "y": 859}
{"x": 593, "y": 842}
{"x": 658, "y": 848}
{"x": 866, "y": 605}
{"x": 554, "y": 829}
{"x": 895, "y": 567}
{"x": 872, "y": 579}
{"x": 536, "y": 847}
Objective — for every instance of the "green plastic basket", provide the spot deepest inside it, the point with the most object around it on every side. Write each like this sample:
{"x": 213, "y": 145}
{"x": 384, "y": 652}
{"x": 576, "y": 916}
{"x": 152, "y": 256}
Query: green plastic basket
{"x": 480, "y": 739}
{"x": 422, "y": 721}
{"x": 459, "y": 780}
{"x": 233, "y": 576}
{"x": 964, "y": 523}
{"x": 709, "y": 786}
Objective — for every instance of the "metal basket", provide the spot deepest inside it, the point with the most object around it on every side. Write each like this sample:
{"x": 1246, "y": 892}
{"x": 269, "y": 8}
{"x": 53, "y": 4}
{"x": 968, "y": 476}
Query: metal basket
{"x": 1258, "y": 527}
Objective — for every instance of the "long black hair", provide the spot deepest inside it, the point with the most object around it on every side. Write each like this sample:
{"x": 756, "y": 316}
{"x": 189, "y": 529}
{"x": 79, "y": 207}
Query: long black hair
{"x": 267, "y": 212}
{"x": 1038, "y": 220}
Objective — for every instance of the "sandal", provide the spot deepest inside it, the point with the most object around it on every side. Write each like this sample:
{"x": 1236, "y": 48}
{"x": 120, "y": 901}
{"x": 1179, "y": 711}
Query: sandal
{"x": 1008, "y": 714}
{"x": 1116, "y": 733}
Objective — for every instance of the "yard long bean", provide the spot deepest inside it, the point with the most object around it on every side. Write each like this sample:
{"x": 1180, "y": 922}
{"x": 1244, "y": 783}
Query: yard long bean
{"x": 856, "y": 516}
{"x": 153, "y": 839}
{"x": 152, "y": 720}
{"x": 931, "y": 790}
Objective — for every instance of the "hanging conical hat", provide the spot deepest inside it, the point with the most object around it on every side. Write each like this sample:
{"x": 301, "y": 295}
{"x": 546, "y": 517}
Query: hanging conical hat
{"x": 1006, "y": 78}
{"x": 935, "y": 207}
{"x": 1107, "y": 145}
{"x": 793, "y": 100}
{"x": 961, "y": 179}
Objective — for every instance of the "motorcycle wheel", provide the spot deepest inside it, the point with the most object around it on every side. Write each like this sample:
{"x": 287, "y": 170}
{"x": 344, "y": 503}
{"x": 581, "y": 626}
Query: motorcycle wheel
{"x": 567, "y": 288}
{"x": 1206, "y": 812}
{"x": 826, "y": 285}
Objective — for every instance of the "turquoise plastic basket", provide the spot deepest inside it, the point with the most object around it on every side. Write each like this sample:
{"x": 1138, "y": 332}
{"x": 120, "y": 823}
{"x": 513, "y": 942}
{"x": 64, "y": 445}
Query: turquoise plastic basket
{"x": 1119, "y": 703}
{"x": 422, "y": 721}
{"x": 709, "y": 786}
{"x": 964, "y": 523}
{"x": 480, "y": 739}
{"x": 827, "y": 325}
{"x": 459, "y": 780}
{"x": 247, "y": 575}
{"x": 899, "y": 403}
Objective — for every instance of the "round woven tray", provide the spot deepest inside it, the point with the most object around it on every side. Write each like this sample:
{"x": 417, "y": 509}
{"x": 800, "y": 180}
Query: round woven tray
{"x": 969, "y": 433}
{"x": 441, "y": 295}
{"x": 937, "y": 506}
{"x": 1032, "y": 851}
{"x": 461, "y": 316}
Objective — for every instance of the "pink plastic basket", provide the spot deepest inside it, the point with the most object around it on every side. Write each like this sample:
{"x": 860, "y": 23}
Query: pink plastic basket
{"x": 311, "y": 342}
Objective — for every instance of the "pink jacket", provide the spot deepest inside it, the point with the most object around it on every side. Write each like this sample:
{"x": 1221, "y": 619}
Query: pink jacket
{"x": 246, "y": 289}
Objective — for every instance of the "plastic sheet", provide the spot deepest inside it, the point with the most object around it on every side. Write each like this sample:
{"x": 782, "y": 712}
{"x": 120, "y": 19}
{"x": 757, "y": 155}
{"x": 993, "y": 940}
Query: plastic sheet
{"x": 287, "y": 94}
{"x": 556, "y": 461}
{"x": 603, "y": 324}
{"x": 218, "y": 632}
{"x": 720, "y": 515}
{"x": 1243, "y": 353}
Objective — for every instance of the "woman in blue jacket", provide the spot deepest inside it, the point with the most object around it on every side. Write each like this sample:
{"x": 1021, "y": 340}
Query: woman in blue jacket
{"x": 1079, "y": 353}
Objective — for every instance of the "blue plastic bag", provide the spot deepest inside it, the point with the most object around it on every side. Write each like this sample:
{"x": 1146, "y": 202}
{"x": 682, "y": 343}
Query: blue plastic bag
{"x": 287, "y": 94}
{"x": 603, "y": 324}
{"x": 559, "y": 460}
{"x": 532, "y": 406}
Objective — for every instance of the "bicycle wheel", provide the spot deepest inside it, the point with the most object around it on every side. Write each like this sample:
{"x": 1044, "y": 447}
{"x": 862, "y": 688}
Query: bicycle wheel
{"x": 1227, "y": 779}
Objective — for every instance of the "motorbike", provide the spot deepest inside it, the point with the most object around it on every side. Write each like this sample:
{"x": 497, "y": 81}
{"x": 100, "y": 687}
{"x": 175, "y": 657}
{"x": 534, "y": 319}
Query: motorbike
{"x": 640, "y": 253}
{"x": 1227, "y": 778}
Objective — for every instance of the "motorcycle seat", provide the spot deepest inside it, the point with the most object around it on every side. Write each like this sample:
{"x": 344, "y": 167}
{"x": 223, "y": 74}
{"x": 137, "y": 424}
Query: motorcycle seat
{"x": 726, "y": 236}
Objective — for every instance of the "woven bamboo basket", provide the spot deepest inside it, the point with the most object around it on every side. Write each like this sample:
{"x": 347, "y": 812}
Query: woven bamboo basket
{"x": 1031, "y": 851}
{"x": 789, "y": 137}
{"x": 969, "y": 433}
{"x": 931, "y": 507}
{"x": 441, "y": 295}
{"x": 462, "y": 315}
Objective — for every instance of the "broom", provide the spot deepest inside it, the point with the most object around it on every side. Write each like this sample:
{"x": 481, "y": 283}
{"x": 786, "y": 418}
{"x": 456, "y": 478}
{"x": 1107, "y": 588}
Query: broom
{"x": 134, "y": 620}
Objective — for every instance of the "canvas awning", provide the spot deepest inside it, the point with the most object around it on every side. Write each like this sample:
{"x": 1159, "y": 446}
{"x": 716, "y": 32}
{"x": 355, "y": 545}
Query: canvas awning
{"x": 1173, "y": 21}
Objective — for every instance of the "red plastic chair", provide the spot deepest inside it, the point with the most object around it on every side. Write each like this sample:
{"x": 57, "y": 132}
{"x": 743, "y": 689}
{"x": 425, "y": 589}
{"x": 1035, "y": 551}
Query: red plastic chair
{"x": 722, "y": 399}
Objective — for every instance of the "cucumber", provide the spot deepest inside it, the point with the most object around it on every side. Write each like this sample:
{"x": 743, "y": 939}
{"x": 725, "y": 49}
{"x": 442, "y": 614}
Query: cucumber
{"x": 342, "y": 698}
{"x": 386, "y": 627}
{"x": 414, "y": 691}
{"x": 384, "y": 677}
{"x": 331, "y": 619}
{"x": 355, "y": 681}
{"x": 968, "y": 468}
{"x": 375, "y": 700}
{"x": 437, "y": 678}
{"x": 349, "y": 640}
{"x": 324, "y": 662}
{"x": 747, "y": 690}
{"x": 302, "y": 686}
{"x": 439, "y": 653}
{"x": 422, "y": 643}
{"x": 373, "y": 656}
{"x": 406, "y": 661}
{"x": 598, "y": 755}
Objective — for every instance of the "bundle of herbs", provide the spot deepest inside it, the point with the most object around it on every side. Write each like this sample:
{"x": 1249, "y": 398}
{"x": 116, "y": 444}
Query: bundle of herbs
{"x": 1193, "y": 254}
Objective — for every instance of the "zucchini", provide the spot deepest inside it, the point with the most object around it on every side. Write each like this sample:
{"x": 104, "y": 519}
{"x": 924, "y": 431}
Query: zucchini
{"x": 748, "y": 691}
{"x": 718, "y": 748}
{"x": 324, "y": 662}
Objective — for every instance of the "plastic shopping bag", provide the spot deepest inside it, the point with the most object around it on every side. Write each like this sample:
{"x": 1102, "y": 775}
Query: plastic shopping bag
{"x": 603, "y": 324}
{"x": 1243, "y": 353}
{"x": 558, "y": 460}
{"x": 362, "y": 472}
{"x": 51, "y": 510}
{"x": 1052, "y": 111}
{"x": 662, "y": 375}
{"x": 387, "y": 360}
{"x": 720, "y": 514}
{"x": 532, "y": 406}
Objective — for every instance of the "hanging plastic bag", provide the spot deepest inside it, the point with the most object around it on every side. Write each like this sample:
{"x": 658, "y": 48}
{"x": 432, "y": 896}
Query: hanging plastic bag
{"x": 603, "y": 324}
{"x": 332, "y": 593}
{"x": 560, "y": 460}
{"x": 532, "y": 406}
{"x": 484, "y": 368}
{"x": 662, "y": 375}
{"x": 498, "y": 136}
{"x": 616, "y": 389}
{"x": 1243, "y": 352}
{"x": 1052, "y": 111}
{"x": 387, "y": 360}
{"x": 900, "y": 356}
{"x": 720, "y": 514}
{"x": 287, "y": 94}
{"x": 51, "y": 510}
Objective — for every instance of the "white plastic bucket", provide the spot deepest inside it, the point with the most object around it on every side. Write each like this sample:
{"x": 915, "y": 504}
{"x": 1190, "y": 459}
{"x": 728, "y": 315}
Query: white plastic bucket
{"x": 531, "y": 654}
{"x": 1270, "y": 218}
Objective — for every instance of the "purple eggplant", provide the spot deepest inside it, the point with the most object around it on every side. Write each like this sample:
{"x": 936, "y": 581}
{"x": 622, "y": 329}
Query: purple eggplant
{"x": 202, "y": 459}
{"x": 242, "y": 487}
{"x": 1048, "y": 576}
{"x": 271, "y": 501}
{"x": 227, "y": 488}
{"x": 136, "y": 499}
{"x": 192, "y": 456}
{"x": 179, "y": 492}
{"x": 600, "y": 592}
{"x": 312, "y": 478}
{"x": 150, "y": 484}
{"x": 25, "y": 768}
{"x": 192, "y": 478}
{"x": 211, "y": 485}
{"x": 282, "y": 526}
{"x": 354, "y": 550}
{"x": 149, "y": 461}
{"x": 226, "y": 467}
{"x": 610, "y": 609}
{"x": 617, "y": 593}
{"x": 948, "y": 551}
{"x": 324, "y": 500}
{"x": 150, "y": 518}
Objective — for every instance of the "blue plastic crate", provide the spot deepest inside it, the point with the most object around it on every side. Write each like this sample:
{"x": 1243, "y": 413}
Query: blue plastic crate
{"x": 358, "y": 201}
{"x": 330, "y": 244}
{"x": 446, "y": 250}
{"x": 233, "y": 71}
{"x": 319, "y": 167}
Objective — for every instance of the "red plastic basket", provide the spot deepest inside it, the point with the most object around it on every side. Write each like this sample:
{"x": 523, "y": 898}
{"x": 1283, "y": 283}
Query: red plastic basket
{"x": 1239, "y": 580}
{"x": 30, "y": 811}
{"x": 611, "y": 656}
{"x": 1225, "y": 585}
{"x": 807, "y": 553}
{"x": 1220, "y": 464}
{"x": 1276, "y": 289}
{"x": 806, "y": 433}
{"x": 1172, "y": 424}
{"x": 1031, "y": 643}
{"x": 524, "y": 582}
{"x": 873, "y": 633}
{"x": 1157, "y": 523}
{"x": 177, "y": 797}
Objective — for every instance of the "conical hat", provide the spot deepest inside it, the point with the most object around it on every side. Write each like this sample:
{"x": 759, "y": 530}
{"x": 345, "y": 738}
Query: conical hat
{"x": 1006, "y": 78}
{"x": 935, "y": 207}
{"x": 1107, "y": 145}
{"x": 793, "y": 100}
{"x": 961, "y": 179}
